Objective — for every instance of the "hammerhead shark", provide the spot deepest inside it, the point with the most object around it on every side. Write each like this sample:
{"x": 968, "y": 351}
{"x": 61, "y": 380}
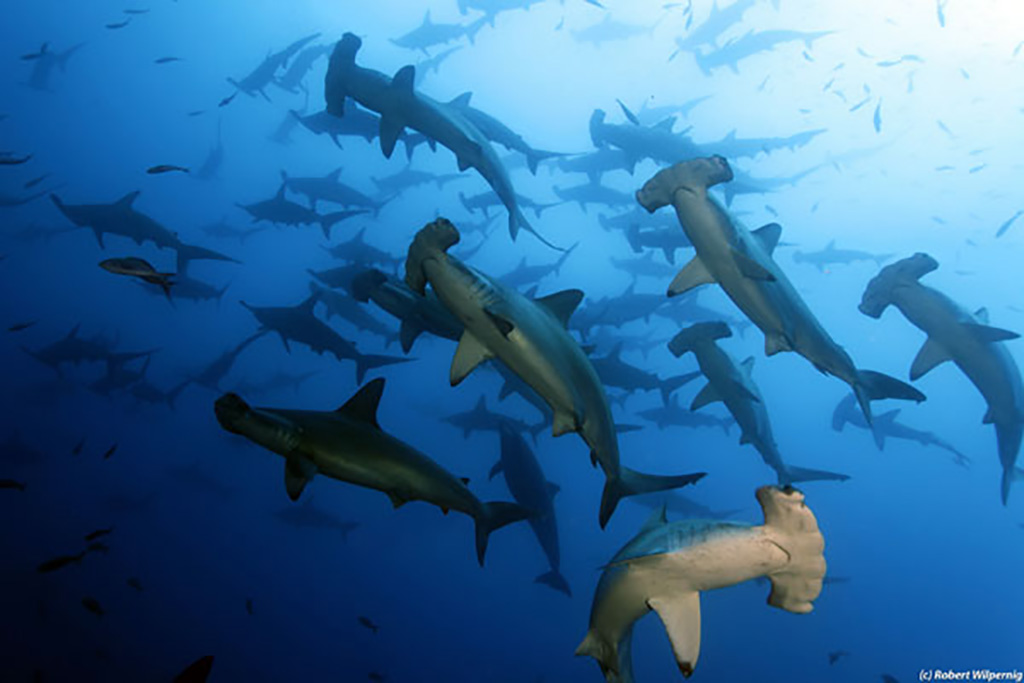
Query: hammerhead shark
{"x": 956, "y": 335}
{"x": 399, "y": 105}
{"x": 530, "y": 337}
{"x": 348, "y": 444}
{"x": 740, "y": 261}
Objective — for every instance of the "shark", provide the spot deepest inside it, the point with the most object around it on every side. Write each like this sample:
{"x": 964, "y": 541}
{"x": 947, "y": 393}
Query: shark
{"x": 885, "y": 426}
{"x": 481, "y": 419}
{"x": 666, "y": 567}
{"x": 966, "y": 339}
{"x": 740, "y": 262}
{"x": 45, "y": 61}
{"x": 355, "y": 122}
{"x": 753, "y": 43}
{"x": 674, "y": 415}
{"x": 595, "y": 164}
{"x": 210, "y": 167}
{"x": 399, "y": 106}
{"x": 707, "y": 33}
{"x": 306, "y": 515}
{"x": 330, "y": 189}
{"x": 732, "y": 147}
{"x": 121, "y": 218}
{"x": 531, "y": 489}
{"x": 429, "y": 33}
{"x": 529, "y": 336}
{"x": 256, "y": 81}
{"x": 410, "y": 177}
{"x": 591, "y": 193}
{"x": 498, "y": 133}
{"x": 609, "y": 30}
{"x": 733, "y": 385}
{"x": 830, "y": 255}
{"x": 358, "y": 250}
{"x": 299, "y": 324}
{"x": 657, "y": 142}
{"x": 523, "y": 274}
{"x": 644, "y": 266}
{"x": 346, "y": 307}
{"x": 292, "y": 79}
{"x": 211, "y": 376}
{"x": 668, "y": 242}
{"x": 489, "y": 199}
{"x": 615, "y": 372}
{"x": 349, "y": 445}
{"x": 274, "y": 383}
{"x": 281, "y": 210}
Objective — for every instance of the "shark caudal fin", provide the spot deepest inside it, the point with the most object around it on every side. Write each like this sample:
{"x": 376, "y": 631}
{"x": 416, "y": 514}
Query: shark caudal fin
{"x": 795, "y": 475}
{"x": 633, "y": 483}
{"x": 793, "y": 527}
{"x": 330, "y": 220}
{"x": 874, "y": 386}
{"x": 188, "y": 253}
{"x": 555, "y": 580}
{"x": 1008, "y": 438}
{"x": 535, "y": 156}
{"x": 493, "y": 516}
{"x": 517, "y": 220}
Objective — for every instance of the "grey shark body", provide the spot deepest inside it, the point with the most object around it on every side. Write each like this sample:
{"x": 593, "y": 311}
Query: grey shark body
{"x": 531, "y": 489}
{"x": 530, "y": 337}
{"x": 733, "y": 385}
{"x": 523, "y": 274}
{"x": 831, "y": 255}
{"x": 280, "y": 210}
{"x": 954, "y": 334}
{"x": 656, "y": 142}
{"x": 417, "y": 313}
{"x": 330, "y": 189}
{"x": 429, "y": 34}
{"x": 596, "y": 164}
{"x": 666, "y": 567}
{"x": 497, "y": 132}
{"x": 740, "y": 262}
{"x": 346, "y": 307}
{"x": 349, "y": 445}
{"x": 400, "y": 106}
{"x": 675, "y": 415}
{"x": 759, "y": 42}
{"x": 591, "y": 193}
{"x": 481, "y": 419}
{"x": 617, "y": 373}
{"x": 306, "y": 515}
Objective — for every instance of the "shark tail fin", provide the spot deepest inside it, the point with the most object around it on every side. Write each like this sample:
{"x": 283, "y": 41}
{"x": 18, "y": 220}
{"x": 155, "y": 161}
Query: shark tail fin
{"x": 794, "y": 528}
{"x": 517, "y": 220}
{"x": 796, "y": 475}
{"x": 633, "y": 236}
{"x": 633, "y": 483}
{"x": 874, "y": 386}
{"x": 493, "y": 516}
{"x": 555, "y": 580}
{"x": 535, "y": 156}
{"x": 173, "y": 394}
{"x": 367, "y": 362}
{"x": 330, "y": 220}
{"x": 668, "y": 386}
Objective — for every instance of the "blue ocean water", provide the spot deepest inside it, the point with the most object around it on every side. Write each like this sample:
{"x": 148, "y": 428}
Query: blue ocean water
{"x": 911, "y": 145}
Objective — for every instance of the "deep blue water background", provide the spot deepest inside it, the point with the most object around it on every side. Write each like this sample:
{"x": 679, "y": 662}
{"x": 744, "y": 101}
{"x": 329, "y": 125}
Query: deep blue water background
{"x": 933, "y": 559}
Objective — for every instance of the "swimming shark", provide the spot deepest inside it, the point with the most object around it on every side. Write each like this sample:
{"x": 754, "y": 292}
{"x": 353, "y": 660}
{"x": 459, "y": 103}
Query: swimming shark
{"x": 657, "y": 142}
{"x": 666, "y": 566}
{"x": 210, "y": 167}
{"x": 282, "y": 211}
{"x": 591, "y": 193}
{"x": 675, "y": 415}
{"x": 830, "y": 255}
{"x": 644, "y": 266}
{"x": 523, "y": 275}
{"x": 609, "y": 30}
{"x": 734, "y": 386}
{"x": 497, "y": 132}
{"x": 481, "y": 419}
{"x": 399, "y": 106}
{"x": 718, "y": 22}
{"x": 417, "y": 313}
{"x": 291, "y": 80}
{"x": 349, "y": 445}
{"x": 44, "y": 63}
{"x": 740, "y": 262}
{"x": 256, "y": 81}
{"x": 530, "y": 337}
{"x": 732, "y": 147}
{"x": 356, "y": 122}
{"x": 299, "y": 324}
{"x": 211, "y": 376}
{"x": 615, "y": 372}
{"x": 596, "y": 164}
{"x": 885, "y": 426}
{"x": 753, "y": 43}
{"x": 956, "y": 335}
{"x": 306, "y": 515}
{"x": 492, "y": 8}
{"x": 531, "y": 489}
{"x": 274, "y": 383}
{"x": 428, "y": 34}
{"x": 666, "y": 241}
{"x": 431, "y": 65}
{"x": 409, "y": 177}
{"x": 489, "y": 199}
{"x": 346, "y": 307}
{"x": 358, "y": 250}
{"x": 339, "y": 277}
{"x": 330, "y": 189}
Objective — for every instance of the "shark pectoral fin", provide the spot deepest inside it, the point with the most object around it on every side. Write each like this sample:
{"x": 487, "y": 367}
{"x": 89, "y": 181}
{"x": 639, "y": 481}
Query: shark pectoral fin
{"x": 462, "y": 101}
{"x": 751, "y": 268}
{"x": 298, "y": 471}
{"x": 469, "y": 354}
{"x": 126, "y": 201}
{"x": 706, "y": 395}
{"x": 932, "y": 354}
{"x": 989, "y": 417}
{"x": 680, "y": 614}
{"x": 363, "y": 405}
{"x": 562, "y": 304}
{"x": 462, "y": 163}
{"x": 408, "y": 333}
{"x": 693, "y": 274}
{"x": 990, "y": 334}
{"x": 553, "y": 489}
{"x": 774, "y": 343}
{"x": 746, "y": 391}
{"x": 563, "y": 423}
{"x": 503, "y": 324}
{"x": 498, "y": 468}
{"x": 768, "y": 235}
{"x": 396, "y": 500}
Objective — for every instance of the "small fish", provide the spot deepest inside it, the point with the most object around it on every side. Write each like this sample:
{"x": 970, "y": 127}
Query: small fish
{"x": 939, "y": 220}
{"x": 771, "y": 210}
{"x": 834, "y": 657}
{"x": 878, "y": 117}
{"x": 93, "y": 605}
{"x": 761, "y": 87}
{"x": 120, "y": 24}
{"x": 99, "y": 533}
{"x": 940, "y": 10}
{"x": 98, "y": 547}
{"x": 197, "y": 112}
{"x": 35, "y": 181}
{"x": 248, "y": 606}
{"x": 974, "y": 169}
{"x": 374, "y": 676}
{"x": 77, "y": 450}
{"x": 828, "y": 85}
{"x": 963, "y": 72}
{"x": 1016, "y": 50}
{"x": 140, "y": 268}
{"x": 136, "y": 11}
{"x": 859, "y": 104}
{"x": 227, "y": 100}
{"x": 365, "y": 621}
{"x": 11, "y": 485}
{"x": 196, "y": 672}
{"x": 60, "y": 562}
{"x": 945, "y": 168}
{"x": 910, "y": 83}
{"x": 110, "y": 452}
{"x": 167, "y": 60}
{"x": 808, "y": 57}
{"x": 18, "y": 327}
{"x": 1006, "y": 226}
{"x": 134, "y": 583}
{"x": 165, "y": 168}
{"x": 944, "y": 128}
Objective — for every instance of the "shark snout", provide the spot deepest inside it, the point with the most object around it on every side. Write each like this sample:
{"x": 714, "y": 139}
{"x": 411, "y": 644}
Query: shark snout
{"x": 230, "y": 409}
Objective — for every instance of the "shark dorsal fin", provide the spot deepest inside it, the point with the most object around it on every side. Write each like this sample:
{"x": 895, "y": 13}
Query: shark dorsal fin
{"x": 831, "y": 245}
{"x": 748, "y": 365}
{"x": 126, "y": 201}
{"x": 363, "y": 404}
{"x": 665, "y": 124}
{"x": 426, "y": 19}
{"x": 616, "y": 350}
{"x": 982, "y": 315}
{"x": 334, "y": 175}
{"x": 562, "y": 304}
{"x": 280, "y": 191}
{"x": 405, "y": 78}
{"x": 658, "y": 518}
{"x": 481, "y": 404}
{"x": 462, "y": 100}
{"x": 768, "y": 235}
